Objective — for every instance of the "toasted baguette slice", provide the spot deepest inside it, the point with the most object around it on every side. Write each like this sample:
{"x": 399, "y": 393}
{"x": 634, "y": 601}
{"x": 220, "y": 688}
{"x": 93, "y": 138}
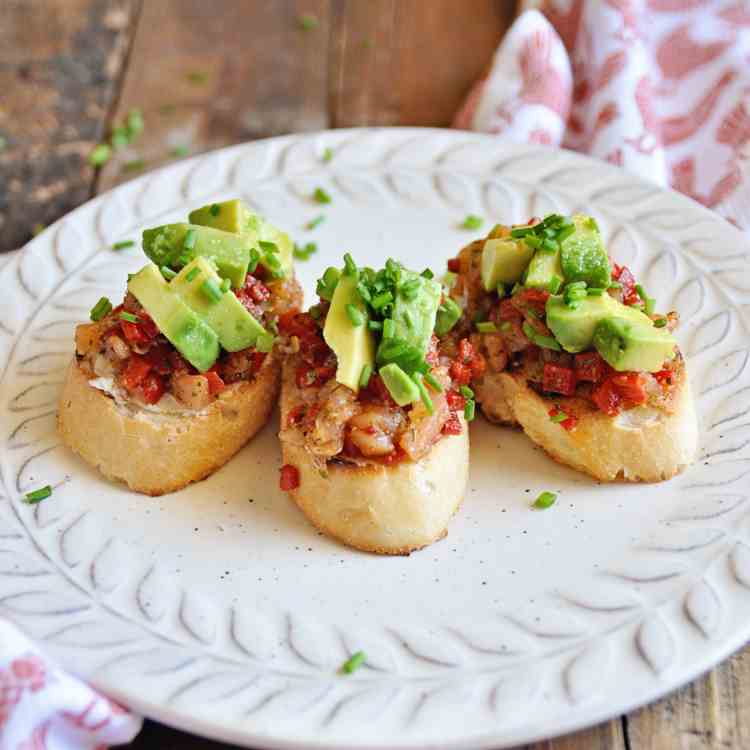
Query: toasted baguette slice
{"x": 155, "y": 453}
{"x": 642, "y": 444}
{"x": 390, "y": 510}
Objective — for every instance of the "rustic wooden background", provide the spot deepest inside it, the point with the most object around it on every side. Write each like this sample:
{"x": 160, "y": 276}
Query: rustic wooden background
{"x": 207, "y": 73}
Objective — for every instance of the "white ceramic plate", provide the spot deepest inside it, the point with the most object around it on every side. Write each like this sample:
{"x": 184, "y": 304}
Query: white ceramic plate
{"x": 220, "y": 610}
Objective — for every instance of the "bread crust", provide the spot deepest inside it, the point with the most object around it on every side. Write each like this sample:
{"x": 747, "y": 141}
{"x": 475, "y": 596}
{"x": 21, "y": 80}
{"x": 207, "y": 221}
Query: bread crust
{"x": 389, "y": 510}
{"x": 642, "y": 444}
{"x": 159, "y": 453}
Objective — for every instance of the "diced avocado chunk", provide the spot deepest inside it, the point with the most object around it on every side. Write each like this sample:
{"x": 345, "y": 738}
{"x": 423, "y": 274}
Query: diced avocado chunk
{"x": 629, "y": 345}
{"x": 402, "y": 388}
{"x": 166, "y": 246}
{"x": 228, "y": 318}
{"x": 234, "y": 216}
{"x": 448, "y": 314}
{"x": 184, "y": 328}
{"x": 583, "y": 256}
{"x": 414, "y": 312}
{"x": 545, "y": 270}
{"x": 574, "y": 327}
{"x": 504, "y": 261}
{"x": 354, "y": 346}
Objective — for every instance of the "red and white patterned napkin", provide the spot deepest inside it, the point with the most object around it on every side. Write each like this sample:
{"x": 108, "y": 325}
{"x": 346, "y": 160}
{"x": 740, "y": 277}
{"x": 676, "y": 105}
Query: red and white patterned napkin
{"x": 660, "y": 87}
{"x": 43, "y": 708}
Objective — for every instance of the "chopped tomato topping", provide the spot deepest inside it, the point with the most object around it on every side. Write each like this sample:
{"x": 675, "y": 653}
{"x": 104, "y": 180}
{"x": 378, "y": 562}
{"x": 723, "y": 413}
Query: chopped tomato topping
{"x": 557, "y": 379}
{"x": 308, "y": 375}
{"x": 568, "y": 424}
{"x": 664, "y": 376}
{"x": 469, "y": 365}
{"x": 141, "y": 332}
{"x": 590, "y": 367}
{"x": 178, "y": 362}
{"x": 535, "y": 299}
{"x": 452, "y": 425}
{"x": 159, "y": 357}
{"x": 455, "y": 400}
{"x": 606, "y": 397}
{"x": 630, "y": 387}
{"x": 508, "y": 311}
{"x": 135, "y": 371}
{"x": 215, "y": 383}
{"x": 454, "y": 265}
{"x": 295, "y": 415}
{"x": 629, "y": 293}
{"x": 289, "y": 479}
{"x": 254, "y": 290}
{"x": 153, "y": 388}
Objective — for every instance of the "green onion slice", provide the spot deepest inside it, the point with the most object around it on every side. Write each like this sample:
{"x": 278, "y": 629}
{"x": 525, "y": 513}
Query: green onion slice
{"x": 129, "y": 317}
{"x": 355, "y": 315}
{"x": 32, "y": 498}
{"x": 211, "y": 290}
{"x": 354, "y": 663}
{"x": 545, "y": 500}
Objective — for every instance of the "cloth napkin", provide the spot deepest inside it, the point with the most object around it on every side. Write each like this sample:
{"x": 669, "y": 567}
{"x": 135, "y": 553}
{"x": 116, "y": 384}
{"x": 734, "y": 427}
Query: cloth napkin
{"x": 659, "y": 87}
{"x": 43, "y": 708}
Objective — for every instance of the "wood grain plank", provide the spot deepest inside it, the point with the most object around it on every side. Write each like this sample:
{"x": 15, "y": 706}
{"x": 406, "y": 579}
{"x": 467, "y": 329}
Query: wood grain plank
{"x": 409, "y": 62}
{"x": 712, "y": 713}
{"x": 60, "y": 64}
{"x": 208, "y": 74}
{"x": 607, "y": 736}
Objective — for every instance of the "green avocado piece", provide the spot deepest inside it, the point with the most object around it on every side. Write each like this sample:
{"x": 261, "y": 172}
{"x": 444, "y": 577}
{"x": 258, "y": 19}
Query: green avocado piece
{"x": 402, "y": 388}
{"x": 504, "y": 261}
{"x": 166, "y": 246}
{"x": 574, "y": 327}
{"x": 545, "y": 270}
{"x": 183, "y": 327}
{"x": 583, "y": 256}
{"x": 226, "y": 315}
{"x": 414, "y": 313}
{"x": 354, "y": 346}
{"x": 628, "y": 345}
{"x": 234, "y": 216}
{"x": 448, "y": 314}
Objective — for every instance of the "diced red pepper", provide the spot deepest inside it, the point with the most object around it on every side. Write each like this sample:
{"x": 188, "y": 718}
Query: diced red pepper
{"x": 153, "y": 388}
{"x": 135, "y": 371}
{"x": 606, "y": 397}
{"x": 590, "y": 367}
{"x": 629, "y": 293}
{"x": 254, "y": 290}
{"x": 289, "y": 479}
{"x": 557, "y": 379}
{"x": 452, "y": 425}
{"x": 508, "y": 311}
{"x": 454, "y": 265}
{"x": 215, "y": 383}
{"x": 630, "y": 386}
{"x": 455, "y": 400}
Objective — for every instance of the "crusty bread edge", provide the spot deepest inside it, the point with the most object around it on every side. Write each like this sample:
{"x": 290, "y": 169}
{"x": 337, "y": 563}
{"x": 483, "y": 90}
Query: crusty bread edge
{"x": 639, "y": 445}
{"x": 159, "y": 453}
{"x": 389, "y": 510}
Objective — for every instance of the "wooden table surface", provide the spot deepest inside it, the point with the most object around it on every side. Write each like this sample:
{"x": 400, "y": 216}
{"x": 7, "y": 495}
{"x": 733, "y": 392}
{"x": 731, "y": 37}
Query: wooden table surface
{"x": 208, "y": 73}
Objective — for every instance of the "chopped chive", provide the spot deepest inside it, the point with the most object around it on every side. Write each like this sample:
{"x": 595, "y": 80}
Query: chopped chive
{"x": 350, "y": 267}
{"x": 641, "y": 292}
{"x": 122, "y": 245}
{"x": 264, "y": 343}
{"x": 254, "y": 260}
{"x": 192, "y": 273}
{"x": 304, "y": 252}
{"x": 545, "y": 342}
{"x": 521, "y": 232}
{"x": 472, "y": 222}
{"x": 559, "y": 416}
{"x": 486, "y": 326}
{"x": 189, "y": 241}
{"x": 381, "y": 300}
{"x": 308, "y": 22}
{"x": 595, "y": 291}
{"x": 410, "y": 290}
{"x": 100, "y": 310}
{"x": 32, "y": 498}
{"x": 466, "y": 392}
{"x": 134, "y": 123}
{"x": 501, "y": 289}
{"x": 427, "y": 274}
{"x": 389, "y": 328}
{"x": 180, "y": 151}
{"x": 355, "y": 315}
{"x": 374, "y": 325}
{"x": 100, "y": 155}
{"x": 615, "y": 285}
{"x": 225, "y": 285}
{"x": 354, "y": 663}
{"x": 565, "y": 232}
{"x": 549, "y": 245}
{"x": 168, "y": 273}
{"x": 433, "y": 382}
{"x": 316, "y": 222}
{"x": 364, "y": 377}
{"x": 129, "y": 317}
{"x": 320, "y": 196}
{"x": 327, "y": 155}
{"x": 211, "y": 290}
{"x": 409, "y": 320}
{"x": 660, "y": 322}
{"x": 545, "y": 500}
{"x": 120, "y": 138}
{"x": 554, "y": 284}
{"x": 650, "y": 305}
{"x": 426, "y": 400}
{"x": 268, "y": 247}
{"x": 470, "y": 410}
{"x": 532, "y": 241}
{"x": 215, "y": 209}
